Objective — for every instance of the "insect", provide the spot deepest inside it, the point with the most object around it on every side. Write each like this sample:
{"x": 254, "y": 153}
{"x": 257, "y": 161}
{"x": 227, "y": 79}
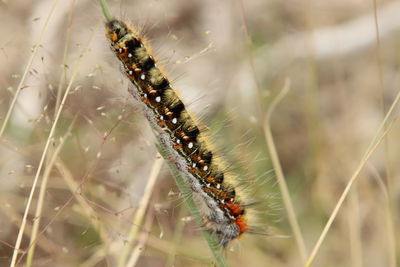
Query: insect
{"x": 218, "y": 196}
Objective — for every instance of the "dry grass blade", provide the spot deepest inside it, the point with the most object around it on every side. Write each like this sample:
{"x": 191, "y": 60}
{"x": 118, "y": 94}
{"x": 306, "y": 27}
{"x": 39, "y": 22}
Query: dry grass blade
{"x": 74, "y": 188}
{"x": 87, "y": 211}
{"x": 391, "y": 233}
{"x": 390, "y": 213}
{"x": 20, "y": 85}
{"x": 279, "y": 174}
{"x": 137, "y": 251}
{"x": 380, "y": 134}
{"x": 43, "y": 187}
{"x": 268, "y": 136}
{"x": 66, "y": 47}
{"x": 45, "y": 244}
{"x": 137, "y": 220}
{"x": 42, "y": 159}
{"x": 355, "y": 238}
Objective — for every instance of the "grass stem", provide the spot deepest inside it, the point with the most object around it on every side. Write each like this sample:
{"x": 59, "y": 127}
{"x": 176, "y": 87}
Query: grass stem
{"x": 106, "y": 10}
{"x": 26, "y": 71}
{"x": 187, "y": 192}
{"x": 380, "y": 134}
{"x": 41, "y": 163}
{"x": 139, "y": 215}
{"x": 43, "y": 188}
{"x": 280, "y": 176}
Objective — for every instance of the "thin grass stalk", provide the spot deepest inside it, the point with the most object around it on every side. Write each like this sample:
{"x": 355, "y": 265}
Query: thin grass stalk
{"x": 105, "y": 9}
{"x": 353, "y": 216}
{"x": 164, "y": 246}
{"x": 74, "y": 188}
{"x": 26, "y": 71}
{"x": 280, "y": 176}
{"x": 187, "y": 193}
{"x": 139, "y": 215}
{"x": 87, "y": 211}
{"x": 176, "y": 239}
{"x": 42, "y": 159}
{"x": 47, "y": 245}
{"x": 391, "y": 233}
{"x": 311, "y": 106}
{"x": 95, "y": 258}
{"x": 139, "y": 248}
{"x": 390, "y": 229}
{"x": 379, "y": 57}
{"x": 63, "y": 72}
{"x": 339, "y": 204}
{"x": 265, "y": 121}
{"x": 383, "y": 129}
{"x": 42, "y": 192}
{"x": 392, "y": 201}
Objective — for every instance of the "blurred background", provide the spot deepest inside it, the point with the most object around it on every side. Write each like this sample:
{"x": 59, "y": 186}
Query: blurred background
{"x": 228, "y": 60}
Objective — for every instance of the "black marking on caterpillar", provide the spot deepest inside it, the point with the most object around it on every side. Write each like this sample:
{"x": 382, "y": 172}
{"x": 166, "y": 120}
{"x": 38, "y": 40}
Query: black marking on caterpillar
{"x": 223, "y": 212}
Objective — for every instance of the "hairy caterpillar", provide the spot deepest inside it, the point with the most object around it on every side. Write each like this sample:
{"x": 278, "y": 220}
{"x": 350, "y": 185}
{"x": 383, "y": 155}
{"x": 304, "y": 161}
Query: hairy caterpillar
{"x": 223, "y": 210}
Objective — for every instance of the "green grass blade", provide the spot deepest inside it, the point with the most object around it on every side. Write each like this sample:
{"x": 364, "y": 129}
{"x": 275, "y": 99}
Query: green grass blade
{"x": 105, "y": 9}
{"x": 187, "y": 192}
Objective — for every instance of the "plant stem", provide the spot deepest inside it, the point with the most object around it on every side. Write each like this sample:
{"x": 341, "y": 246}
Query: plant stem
{"x": 187, "y": 193}
{"x": 106, "y": 11}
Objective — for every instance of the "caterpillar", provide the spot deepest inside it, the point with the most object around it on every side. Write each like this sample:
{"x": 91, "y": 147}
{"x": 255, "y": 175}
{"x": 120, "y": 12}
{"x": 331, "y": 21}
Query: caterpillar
{"x": 219, "y": 199}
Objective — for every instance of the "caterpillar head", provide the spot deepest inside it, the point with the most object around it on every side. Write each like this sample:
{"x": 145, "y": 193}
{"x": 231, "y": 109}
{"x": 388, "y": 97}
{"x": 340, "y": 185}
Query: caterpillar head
{"x": 115, "y": 30}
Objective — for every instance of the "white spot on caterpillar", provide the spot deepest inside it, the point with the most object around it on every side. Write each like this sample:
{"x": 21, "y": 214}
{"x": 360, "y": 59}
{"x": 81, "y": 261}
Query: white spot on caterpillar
{"x": 174, "y": 120}
{"x": 178, "y": 141}
{"x": 130, "y": 55}
{"x": 190, "y": 145}
{"x": 145, "y": 95}
{"x": 205, "y": 168}
{"x": 142, "y": 76}
{"x": 130, "y": 72}
{"x": 120, "y": 50}
{"x": 162, "y": 117}
{"x": 218, "y": 186}
{"x": 158, "y": 99}
{"x": 194, "y": 165}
